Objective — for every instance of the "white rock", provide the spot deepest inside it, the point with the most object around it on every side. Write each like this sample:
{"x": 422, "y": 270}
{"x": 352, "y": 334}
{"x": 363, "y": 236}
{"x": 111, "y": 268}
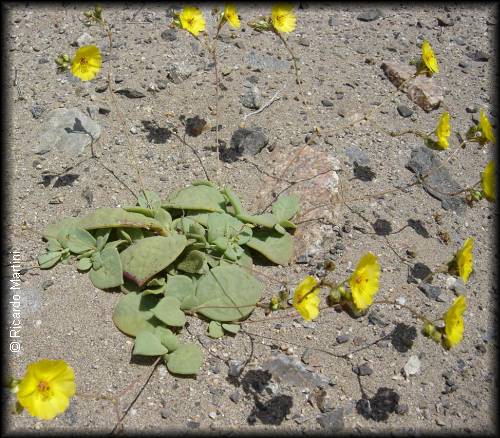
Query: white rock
{"x": 412, "y": 367}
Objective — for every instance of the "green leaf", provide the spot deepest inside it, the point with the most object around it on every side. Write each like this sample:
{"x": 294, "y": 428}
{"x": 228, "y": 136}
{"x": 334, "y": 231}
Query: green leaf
{"x": 168, "y": 311}
{"x": 274, "y": 246}
{"x": 227, "y": 293}
{"x": 147, "y": 344}
{"x": 148, "y": 199}
{"x": 110, "y": 274}
{"x": 148, "y": 212}
{"x": 155, "y": 286}
{"x": 96, "y": 260}
{"x": 279, "y": 229}
{"x": 77, "y": 240}
{"x": 51, "y": 231}
{"x": 146, "y": 257}
{"x": 215, "y": 330}
{"x": 286, "y": 207}
{"x": 189, "y": 302}
{"x": 187, "y": 359}
{"x": 102, "y": 236}
{"x": 267, "y": 220}
{"x": 231, "y": 328}
{"x": 221, "y": 243}
{"x": 167, "y": 338}
{"x": 53, "y": 245}
{"x": 233, "y": 198}
{"x": 131, "y": 234}
{"x": 49, "y": 259}
{"x": 106, "y": 218}
{"x": 84, "y": 264}
{"x": 195, "y": 262}
{"x": 199, "y": 197}
{"x": 179, "y": 286}
{"x": 287, "y": 224}
{"x": 163, "y": 216}
{"x": 133, "y": 311}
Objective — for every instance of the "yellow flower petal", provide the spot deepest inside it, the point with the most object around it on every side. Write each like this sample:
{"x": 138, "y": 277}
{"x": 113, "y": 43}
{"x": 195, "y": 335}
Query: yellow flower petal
{"x": 231, "y": 15}
{"x": 488, "y": 177}
{"x": 454, "y": 323}
{"x": 86, "y": 63}
{"x": 283, "y": 18}
{"x": 443, "y": 130}
{"x": 305, "y": 298}
{"x": 192, "y": 20}
{"x": 486, "y": 128}
{"x": 428, "y": 57}
{"x": 46, "y": 388}
{"x": 364, "y": 281}
{"x": 465, "y": 260}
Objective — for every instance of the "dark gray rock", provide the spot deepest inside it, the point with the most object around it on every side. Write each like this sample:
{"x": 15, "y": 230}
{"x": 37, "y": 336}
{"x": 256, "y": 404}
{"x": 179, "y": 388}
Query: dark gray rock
{"x": 304, "y": 42}
{"x": 404, "y": 111}
{"x": 290, "y": 371}
{"x": 370, "y": 15}
{"x": 235, "y": 368}
{"x": 67, "y": 131}
{"x": 252, "y": 98}
{"x": 402, "y": 409}
{"x": 445, "y": 21}
{"x": 332, "y": 21}
{"x": 46, "y": 284}
{"x": 248, "y": 141}
{"x": 169, "y": 35}
{"x": 37, "y": 111}
{"x": 342, "y": 339}
{"x": 165, "y": 413}
{"x": 375, "y": 318}
{"x": 260, "y": 62}
{"x": 327, "y": 103}
{"x": 235, "y": 397}
{"x": 332, "y": 421}
{"x": 430, "y": 291}
{"x": 356, "y": 155}
{"x": 131, "y": 93}
{"x": 327, "y": 403}
{"x": 439, "y": 184}
{"x": 306, "y": 356}
{"x": 178, "y": 72}
{"x": 362, "y": 370}
{"x": 478, "y": 56}
{"x": 460, "y": 41}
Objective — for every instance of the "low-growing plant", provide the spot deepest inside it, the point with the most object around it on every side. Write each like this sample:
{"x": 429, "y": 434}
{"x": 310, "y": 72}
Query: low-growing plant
{"x": 190, "y": 254}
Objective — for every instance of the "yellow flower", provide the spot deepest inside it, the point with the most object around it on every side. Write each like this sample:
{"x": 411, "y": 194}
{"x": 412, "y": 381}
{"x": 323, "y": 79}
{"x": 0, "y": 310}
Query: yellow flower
{"x": 488, "y": 181}
{"x": 364, "y": 281}
{"x": 231, "y": 15}
{"x": 464, "y": 260}
{"x": 283, "y": 17}
{"x": 486, "y": 128}
{"x": 454, "y": 323}
{"x": 192, "y": 20}
{"x": 443, "y": 130}
{"x": 46, "y": 388}
{"x": 428, "y": 57}
{"x": 306, "y": 300}
{"x": 86, "y": 63}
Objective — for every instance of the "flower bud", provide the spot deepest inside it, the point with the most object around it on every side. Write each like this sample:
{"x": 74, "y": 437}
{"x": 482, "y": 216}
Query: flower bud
{"x": 275, "y": 303}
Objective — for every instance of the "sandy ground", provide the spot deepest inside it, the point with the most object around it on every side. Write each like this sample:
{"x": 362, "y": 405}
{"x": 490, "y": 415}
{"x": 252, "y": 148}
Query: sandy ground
{"x": 65, "y": 317}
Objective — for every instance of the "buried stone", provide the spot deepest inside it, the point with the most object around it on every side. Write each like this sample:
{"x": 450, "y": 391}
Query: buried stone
{"x": 438, "y": 183}
{"x": 68, "y": 131}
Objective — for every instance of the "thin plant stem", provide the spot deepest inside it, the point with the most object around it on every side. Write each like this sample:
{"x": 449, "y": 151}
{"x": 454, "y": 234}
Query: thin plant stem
{"x": 106, "y": 27}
